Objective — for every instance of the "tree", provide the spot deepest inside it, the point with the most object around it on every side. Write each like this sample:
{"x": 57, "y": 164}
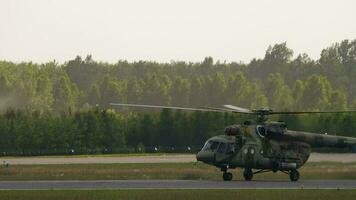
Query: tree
{"x": 317, "y": 93}
{"x": 280, "y": 96}
{"x": 65, "y": 95}
{"x": 111, "y": 91}
{"x": 215, "y": 89}
{"x": 278, "y": 54}
{"x": 180, "y": 91}
{"x": 165, "y": 128}
{"x": 148, "y": 130}
{"x": 298, "y": 92}
{"x": 338, "y": 100}
{"x": 111, "y": 130}
{"x": 276, "y": 58}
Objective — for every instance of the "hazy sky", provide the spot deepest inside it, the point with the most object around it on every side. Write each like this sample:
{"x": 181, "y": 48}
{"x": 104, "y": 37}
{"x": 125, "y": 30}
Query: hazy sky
{"x": 165, "y": 30}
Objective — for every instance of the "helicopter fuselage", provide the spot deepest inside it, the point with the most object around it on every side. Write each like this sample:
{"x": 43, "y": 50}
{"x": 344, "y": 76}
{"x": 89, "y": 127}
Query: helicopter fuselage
{"x": 265, "y": 146}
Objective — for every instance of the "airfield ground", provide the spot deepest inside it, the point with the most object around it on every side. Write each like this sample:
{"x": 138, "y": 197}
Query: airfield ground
{"x": 174, "y": 194}
{"x": 339, "y": 169}
{"x": 147, "y": 158}
{"x": 164, "y": 171}
{"x": 159, "y": 167}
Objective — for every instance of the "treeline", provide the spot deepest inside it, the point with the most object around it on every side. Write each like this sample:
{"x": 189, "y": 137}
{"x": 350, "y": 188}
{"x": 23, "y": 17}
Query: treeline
{"x": 64, "y": 107}
{"x": 106, "y": 131}
{"x": 276, "y": 81}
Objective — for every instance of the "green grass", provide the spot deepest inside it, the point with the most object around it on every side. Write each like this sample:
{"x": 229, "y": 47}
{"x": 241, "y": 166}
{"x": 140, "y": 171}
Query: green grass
{"x": 95, "y": 155}
{"x": 299, "y": 194}
{"x": 182, "y": 171}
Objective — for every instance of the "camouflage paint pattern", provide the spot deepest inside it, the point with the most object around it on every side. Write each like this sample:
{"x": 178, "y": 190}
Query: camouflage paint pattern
{"x": 267, "y": 145}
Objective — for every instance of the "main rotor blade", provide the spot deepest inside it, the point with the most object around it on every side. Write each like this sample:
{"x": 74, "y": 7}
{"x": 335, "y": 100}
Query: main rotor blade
{"x": 238, "y": 109}
{"x": 310, "y": 112}
{"x": 167, "y": 107}
{"x": 231, "y": 109}
{"x": 219, "y": 109}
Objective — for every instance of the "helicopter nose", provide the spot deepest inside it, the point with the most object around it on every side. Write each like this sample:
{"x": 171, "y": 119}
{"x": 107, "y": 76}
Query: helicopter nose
{"x": 206, "y": 157}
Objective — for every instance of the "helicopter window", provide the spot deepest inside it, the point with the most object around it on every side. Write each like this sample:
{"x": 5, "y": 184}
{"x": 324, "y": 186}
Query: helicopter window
{"x": 214, "y": 145}
{"x": 261, "y": 131}
{"x": 222, "y": 148}
{"x": 230, "y": 148}
{"x": 207, "y": 145}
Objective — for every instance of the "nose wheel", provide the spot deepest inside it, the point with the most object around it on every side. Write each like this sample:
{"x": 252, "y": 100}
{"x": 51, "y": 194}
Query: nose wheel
{"x": 227, "y": 176}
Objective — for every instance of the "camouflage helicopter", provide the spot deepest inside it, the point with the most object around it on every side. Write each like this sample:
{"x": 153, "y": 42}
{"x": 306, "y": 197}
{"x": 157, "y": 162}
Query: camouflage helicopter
{"x": 260, "y": 145}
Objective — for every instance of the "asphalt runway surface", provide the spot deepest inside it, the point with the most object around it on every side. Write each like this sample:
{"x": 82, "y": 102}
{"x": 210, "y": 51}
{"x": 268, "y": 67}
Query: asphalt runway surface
{"x": 182, "y": 158}
{"x": 176, "y": 184}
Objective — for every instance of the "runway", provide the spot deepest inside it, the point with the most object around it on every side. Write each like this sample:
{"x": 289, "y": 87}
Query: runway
{"x": 176, "y": 184}
{"x": 182, "y": 158}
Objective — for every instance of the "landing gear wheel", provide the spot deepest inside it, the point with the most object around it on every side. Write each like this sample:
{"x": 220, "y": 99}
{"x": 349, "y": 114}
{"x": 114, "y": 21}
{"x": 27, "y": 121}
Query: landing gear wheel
{"x": 294, "y": 175}
{"x": 248, "y": 174}
{"x": 227, "y": 176}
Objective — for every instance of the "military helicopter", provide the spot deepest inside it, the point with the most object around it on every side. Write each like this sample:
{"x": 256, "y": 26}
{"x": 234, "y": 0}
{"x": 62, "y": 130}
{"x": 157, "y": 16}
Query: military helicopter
{"x": 260, "y": 145}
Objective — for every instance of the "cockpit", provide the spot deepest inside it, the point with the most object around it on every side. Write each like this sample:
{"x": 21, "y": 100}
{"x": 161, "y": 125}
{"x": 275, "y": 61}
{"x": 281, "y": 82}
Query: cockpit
{"x": 220, "y": 147}
{"x": 214, "y": 149}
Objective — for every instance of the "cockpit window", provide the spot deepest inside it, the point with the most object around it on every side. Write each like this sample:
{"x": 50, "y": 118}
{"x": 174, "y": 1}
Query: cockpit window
{"x": 207, "y": 145}
{"x": 214, "y": 145}
{"x": 222, "y": 148}
{"x": 211, "y": 145}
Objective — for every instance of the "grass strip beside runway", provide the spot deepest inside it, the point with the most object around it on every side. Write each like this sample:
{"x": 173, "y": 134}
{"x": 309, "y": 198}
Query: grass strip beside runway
{"x": 178, "y": 194}
{"x": 163, "y": 171}
{"x": 97, "y": 155}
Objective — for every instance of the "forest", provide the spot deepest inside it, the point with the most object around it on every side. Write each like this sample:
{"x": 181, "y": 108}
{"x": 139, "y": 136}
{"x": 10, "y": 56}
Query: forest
{"x": 51, "y": 108}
